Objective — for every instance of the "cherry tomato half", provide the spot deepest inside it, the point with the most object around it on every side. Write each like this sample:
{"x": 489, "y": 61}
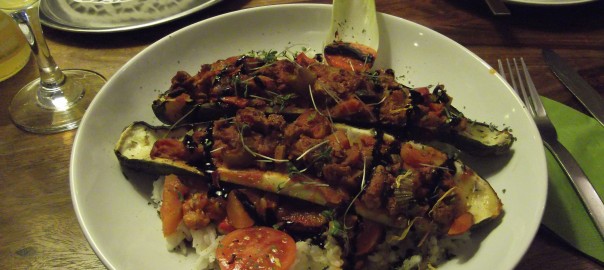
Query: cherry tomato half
{"x": 256, "y": 248}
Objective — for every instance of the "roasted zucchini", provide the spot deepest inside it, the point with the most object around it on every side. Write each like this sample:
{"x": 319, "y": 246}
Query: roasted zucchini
{"x": 360, "y": 99}
{"x": 336, "y": 165}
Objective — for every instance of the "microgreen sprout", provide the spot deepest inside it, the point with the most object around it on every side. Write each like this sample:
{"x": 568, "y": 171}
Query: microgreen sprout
{"x": 331, "y": 125}
{"x": 312, "y": 98}
{"x": 311, "y": 149}
{"x": 254, "y": 153}
{"x": 394, "y": 238}
{"x": 329, "y": 92}
{"x": 381, "y": 101}
{"x": 440, "y": 200}
{"x": 363, "y": 184}
{"x": 434, "y": 166}
{"x": 290, "y": 184}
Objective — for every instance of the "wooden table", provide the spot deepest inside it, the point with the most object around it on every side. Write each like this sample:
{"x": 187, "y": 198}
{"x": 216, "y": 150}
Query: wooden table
{"x": 38, "y": 227}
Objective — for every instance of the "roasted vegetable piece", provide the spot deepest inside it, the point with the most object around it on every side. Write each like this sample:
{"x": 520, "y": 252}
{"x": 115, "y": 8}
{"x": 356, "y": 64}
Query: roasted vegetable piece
{"x": 238, "y": 216}
{"x": 480, "y": 139}
{"x": 357, "y": 98}
{"x": 256, "y": 248}
{"x": 138, "y": 140}
{"x": 386, "y": 180}
{"x": 171, "y": 207}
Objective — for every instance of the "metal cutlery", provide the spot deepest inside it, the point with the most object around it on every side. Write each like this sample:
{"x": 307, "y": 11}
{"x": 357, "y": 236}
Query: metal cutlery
{"x": 498, "y": 7}
{"x": 584, "y": 188}
{"x": 587, "y": 95}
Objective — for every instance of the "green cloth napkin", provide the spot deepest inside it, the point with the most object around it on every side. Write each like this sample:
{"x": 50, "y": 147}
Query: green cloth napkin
{"x": 564, "y": 212}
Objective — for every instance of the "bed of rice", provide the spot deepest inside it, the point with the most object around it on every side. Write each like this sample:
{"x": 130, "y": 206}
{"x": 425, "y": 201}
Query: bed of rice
{"x": 308, "y": 256}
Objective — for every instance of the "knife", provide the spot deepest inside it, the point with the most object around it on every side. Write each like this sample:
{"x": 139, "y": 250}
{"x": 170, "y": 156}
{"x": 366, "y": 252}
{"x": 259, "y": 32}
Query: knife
{"x": 587, "y": 95}
{"x": 498, "y": 7}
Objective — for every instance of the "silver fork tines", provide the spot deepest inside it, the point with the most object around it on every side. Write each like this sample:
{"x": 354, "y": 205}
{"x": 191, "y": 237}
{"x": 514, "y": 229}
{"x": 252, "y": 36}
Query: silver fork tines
{"x": 533, "y": 103}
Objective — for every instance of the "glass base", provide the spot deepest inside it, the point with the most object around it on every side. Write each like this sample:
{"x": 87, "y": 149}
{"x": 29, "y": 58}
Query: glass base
{"x": 57, "y": 109}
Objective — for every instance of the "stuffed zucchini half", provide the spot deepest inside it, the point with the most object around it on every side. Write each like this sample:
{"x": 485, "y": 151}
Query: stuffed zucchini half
{"x": 361, "y": 99}
{"x": 364, "y": 172}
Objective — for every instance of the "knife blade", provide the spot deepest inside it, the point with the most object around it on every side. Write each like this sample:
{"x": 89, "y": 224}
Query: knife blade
{"x": 587, "y": 95}
{"x": 498, "y": 7}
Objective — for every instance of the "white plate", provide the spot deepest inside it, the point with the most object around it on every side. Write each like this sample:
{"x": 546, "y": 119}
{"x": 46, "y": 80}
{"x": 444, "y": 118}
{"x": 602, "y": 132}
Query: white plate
{"x": 125, "y": 231}
{"x": 98, "y": 16}
{"x": 550, "y": 2}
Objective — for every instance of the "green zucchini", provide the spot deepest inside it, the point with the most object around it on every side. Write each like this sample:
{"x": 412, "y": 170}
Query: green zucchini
{"x": 481, "y": 139}
{"x": 288, "y": 87}
{"x": 473, "y": 194}
{"x": 136, "y": 142}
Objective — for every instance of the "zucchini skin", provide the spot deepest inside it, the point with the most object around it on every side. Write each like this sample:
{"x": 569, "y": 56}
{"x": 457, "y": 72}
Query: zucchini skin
{"x": 480, "y": 139}
{"x": 373, "y": 88}
{"x": 134, "y": 146}
{"x": 136, "y": 142}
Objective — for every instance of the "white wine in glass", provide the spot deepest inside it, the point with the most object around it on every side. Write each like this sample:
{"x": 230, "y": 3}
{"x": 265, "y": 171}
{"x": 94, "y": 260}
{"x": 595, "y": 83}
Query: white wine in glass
{"x": 57, "y": 100}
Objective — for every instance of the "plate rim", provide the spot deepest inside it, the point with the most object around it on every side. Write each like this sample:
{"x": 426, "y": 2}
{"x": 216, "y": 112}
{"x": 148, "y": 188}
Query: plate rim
{"x": 548, "y": 3}
{"x": 72, "y": 172}
{"x": 46, "y": 21}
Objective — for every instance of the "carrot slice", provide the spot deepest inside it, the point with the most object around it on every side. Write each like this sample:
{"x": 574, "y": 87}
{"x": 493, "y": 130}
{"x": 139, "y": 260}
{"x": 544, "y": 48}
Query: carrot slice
{"x": 236, "y": 213}
{"x": 461, "y": 224}
{"x": 171, "y": 207}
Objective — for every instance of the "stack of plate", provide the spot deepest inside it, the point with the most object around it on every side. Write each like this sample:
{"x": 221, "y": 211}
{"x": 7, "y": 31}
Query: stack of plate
{"x": 115, "y": 15}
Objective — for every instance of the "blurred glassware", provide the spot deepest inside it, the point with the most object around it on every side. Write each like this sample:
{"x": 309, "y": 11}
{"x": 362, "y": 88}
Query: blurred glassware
{"x": 57, "y": 100}
{"x": 14, "y": 52}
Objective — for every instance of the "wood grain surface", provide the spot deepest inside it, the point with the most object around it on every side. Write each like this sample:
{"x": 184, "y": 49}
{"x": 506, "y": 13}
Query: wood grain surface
{"x": 38, "y": 226}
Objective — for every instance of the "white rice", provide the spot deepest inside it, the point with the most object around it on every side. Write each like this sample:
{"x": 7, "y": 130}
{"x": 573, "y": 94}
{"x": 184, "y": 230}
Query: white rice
{"x": 391, "y": 253}
{"x": 309, "y": 256}
{"x": 206, "y": 240}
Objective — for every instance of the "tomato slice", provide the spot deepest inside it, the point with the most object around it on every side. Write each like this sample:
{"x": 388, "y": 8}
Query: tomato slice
{"x": 256, "y": 248}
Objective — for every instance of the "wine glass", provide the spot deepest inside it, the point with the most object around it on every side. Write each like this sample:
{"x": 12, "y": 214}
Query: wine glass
{"x": 57, "y": 100}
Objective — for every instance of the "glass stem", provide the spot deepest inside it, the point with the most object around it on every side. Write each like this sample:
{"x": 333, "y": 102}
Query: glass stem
{"x": 28, "y": 21}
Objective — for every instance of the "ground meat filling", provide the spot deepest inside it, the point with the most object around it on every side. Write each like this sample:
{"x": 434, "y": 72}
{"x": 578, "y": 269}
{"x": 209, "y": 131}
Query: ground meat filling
{"x": 310, "y": 146}
{"x": 282, "y": 85}
{"x": 414, "y": 183}
{"x": 406, "y": 184}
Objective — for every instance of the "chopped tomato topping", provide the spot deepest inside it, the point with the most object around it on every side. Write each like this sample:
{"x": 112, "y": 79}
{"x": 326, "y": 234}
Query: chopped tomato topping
{"x": 426, "y": 156}
{"x": 169, "y": 148}
{"x": 424, "y": 91}
{"x": 174, "y": 107}
{"x": 225, "y": 227}
{"x": 437, "y": 107}
{"x": 304, "y": 60}
{"x": 256, "y": 248}
{"x": 239, "y": 102}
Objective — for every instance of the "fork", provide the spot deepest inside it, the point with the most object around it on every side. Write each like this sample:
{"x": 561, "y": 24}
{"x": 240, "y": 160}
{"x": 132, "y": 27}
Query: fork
{"x": 533, "y": 103}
